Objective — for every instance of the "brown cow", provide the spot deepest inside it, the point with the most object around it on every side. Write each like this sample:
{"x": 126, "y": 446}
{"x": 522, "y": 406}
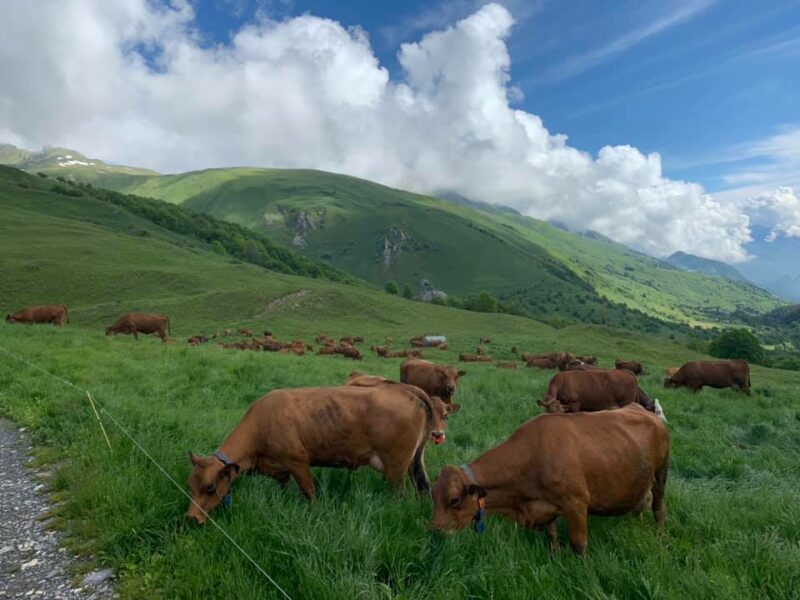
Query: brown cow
{"x": 631, "y": 365}
{"x": 541, "y": 363}
{"x": 589, "y": 360}
{"x": 734, "y": 374}
{"x": 417, "y": 342}
{"x": 443, "y": 346}
{"x": 288, "y": 431}
{"x": 558, "y": 465}
{"x": 381, "y": 350}
{"x": 136, "y": 323}
{"x": 670, "y": 371}
{"x": 577, "y": 365}
{"x": 435, "y": 380}
{"x": 474, "y": 358}
{"x": 196, "y": 340}
{"x": 587, "y": 391}
{"x": 352, "y": 352}
{"x": 506, "y": 365}
{"x": 410, "y": 353}
{"x": 326, "y": 350}
{"x": 57, "y": 314}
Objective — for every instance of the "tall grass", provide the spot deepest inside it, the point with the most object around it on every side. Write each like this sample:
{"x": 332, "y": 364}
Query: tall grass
{"x": 732, "y": 497}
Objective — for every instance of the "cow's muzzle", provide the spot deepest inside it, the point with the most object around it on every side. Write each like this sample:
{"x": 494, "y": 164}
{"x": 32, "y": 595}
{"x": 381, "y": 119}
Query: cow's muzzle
{"x": 438, "y": 437}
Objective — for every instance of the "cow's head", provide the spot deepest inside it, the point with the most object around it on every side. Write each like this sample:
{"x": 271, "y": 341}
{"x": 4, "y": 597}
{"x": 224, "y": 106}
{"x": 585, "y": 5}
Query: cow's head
{"x": 448, "y": 381}
{"x": 456, "y": 500}
{"x": 209, "y": 483}
{"x": 440, "y": 413}
{"x": 670, "y": 383}
{"x": 552, "y": 406}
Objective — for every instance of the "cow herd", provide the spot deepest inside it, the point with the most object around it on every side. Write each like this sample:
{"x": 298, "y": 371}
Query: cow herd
{"x": 602, "y": 446}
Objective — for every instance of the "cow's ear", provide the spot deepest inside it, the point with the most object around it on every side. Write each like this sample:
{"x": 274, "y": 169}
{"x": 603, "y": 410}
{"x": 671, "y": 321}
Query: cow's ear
{"x": 453, "y": 408}
{"x": 476, "y": 490}
{"x": 192, "y": 458}
{"x": 462, "y": 373}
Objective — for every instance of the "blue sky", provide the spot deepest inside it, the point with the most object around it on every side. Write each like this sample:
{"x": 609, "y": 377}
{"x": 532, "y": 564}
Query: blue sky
{"x": 702, "y": 82}
{"x": 665, "y": 125}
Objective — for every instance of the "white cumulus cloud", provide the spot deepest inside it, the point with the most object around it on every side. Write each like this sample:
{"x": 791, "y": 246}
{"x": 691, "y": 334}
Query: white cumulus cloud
{"x": 134, "y": 82}
{"x": 778, "y": 209}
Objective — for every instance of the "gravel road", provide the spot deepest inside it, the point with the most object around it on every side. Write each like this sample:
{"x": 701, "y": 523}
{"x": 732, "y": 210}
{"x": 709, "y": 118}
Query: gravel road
{"x": 32, "y": 563}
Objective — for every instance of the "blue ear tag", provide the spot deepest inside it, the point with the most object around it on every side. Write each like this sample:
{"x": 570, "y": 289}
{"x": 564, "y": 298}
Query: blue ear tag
{"x": 227, "y": 501}
{"x": 478, "y": 524}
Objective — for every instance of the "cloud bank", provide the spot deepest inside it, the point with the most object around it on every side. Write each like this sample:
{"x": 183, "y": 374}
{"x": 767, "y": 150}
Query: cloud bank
{"x": 134, "y": 82}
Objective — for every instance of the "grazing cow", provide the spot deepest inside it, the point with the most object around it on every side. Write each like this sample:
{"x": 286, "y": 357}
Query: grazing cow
{"x": 327, "y": 350}
{"x": 474, "y": 358}
{"x": 288, "y": 431}
{"x": 588, "y": 391}
{"x": 589, "y": 360}
{"x": 272, "y": 346}
{"x": 541, "y": 363}
{"x": 435, "y": 380}
{"x": 734, "y": 374}
{"x": 57, "y": 314}
{"x": 381, "y": 351}
{"x": 417, "y": 341}
{"x": 136, "y": 323}
{"x": 577, "y": 365}
{"x": 196, "y": 340}
{"x": 346, "y": 339}
{"x": 352, "y": 352}
{"x": 560, "y": 465}
{"x": 506, "y": 365}
{"x": 322, "y": 338}
{"x": 670, "y": 371}
{"x": 443, "y": 346}
{"x": 631, "y": 365}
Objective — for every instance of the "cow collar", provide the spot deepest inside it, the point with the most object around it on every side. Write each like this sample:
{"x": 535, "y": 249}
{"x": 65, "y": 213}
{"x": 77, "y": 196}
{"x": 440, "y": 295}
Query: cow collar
{"x": 478, "y": 523}
{"x": 227, "y": 501}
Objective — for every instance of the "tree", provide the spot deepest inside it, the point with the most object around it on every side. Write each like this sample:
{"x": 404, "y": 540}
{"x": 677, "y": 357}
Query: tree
{"x": 407, "y": 293}
{"x": 483, "y": 302}
{"x": 737, "y": 343}
{"x": 391, "y": 288}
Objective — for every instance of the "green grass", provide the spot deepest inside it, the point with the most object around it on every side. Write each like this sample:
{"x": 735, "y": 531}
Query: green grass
{"x": 554, "y": 274}
{"x": 732, "y": 497}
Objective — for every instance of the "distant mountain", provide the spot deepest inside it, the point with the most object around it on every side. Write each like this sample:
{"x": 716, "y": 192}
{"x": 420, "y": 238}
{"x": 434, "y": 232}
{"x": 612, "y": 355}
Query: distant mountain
{"x": 697, "y": 264}
{"x": 70, "y": 163}
{"x": 459, "y": 246}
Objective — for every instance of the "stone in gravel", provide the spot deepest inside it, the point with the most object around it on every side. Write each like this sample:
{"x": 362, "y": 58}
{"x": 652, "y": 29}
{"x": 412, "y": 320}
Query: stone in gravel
{"x": 30, "y": 563}
{"x": 97, "y": 577}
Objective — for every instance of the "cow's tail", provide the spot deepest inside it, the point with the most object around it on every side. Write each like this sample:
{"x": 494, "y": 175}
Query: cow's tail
{"x": 419, "y": 474}
{"x": 646, "y": 401}
{"x": 169, "y": 329}
{"x": 66, "y": 310}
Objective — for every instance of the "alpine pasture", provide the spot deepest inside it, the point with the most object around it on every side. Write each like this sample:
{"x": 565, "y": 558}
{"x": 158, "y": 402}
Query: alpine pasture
{"x": 732, "y": 495}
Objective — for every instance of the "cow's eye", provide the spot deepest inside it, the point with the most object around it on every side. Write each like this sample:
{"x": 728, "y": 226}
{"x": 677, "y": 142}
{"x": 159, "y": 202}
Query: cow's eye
{"x": 210, "y": 489}
{"x": 454, "y": 502}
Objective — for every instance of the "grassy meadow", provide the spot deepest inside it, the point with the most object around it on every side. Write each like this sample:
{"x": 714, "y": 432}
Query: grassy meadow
{"x": 732, "y": 498}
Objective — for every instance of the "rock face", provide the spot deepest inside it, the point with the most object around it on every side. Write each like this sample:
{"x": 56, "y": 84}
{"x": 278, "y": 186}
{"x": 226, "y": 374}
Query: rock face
{"x": 394, "y": 243}
{"x": 302, "y": 226}
{"x": 32, "y": 563}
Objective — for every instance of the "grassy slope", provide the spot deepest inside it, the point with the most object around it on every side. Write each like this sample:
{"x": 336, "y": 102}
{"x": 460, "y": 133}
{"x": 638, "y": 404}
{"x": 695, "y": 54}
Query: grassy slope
{"x": 512, "y": 256}
{"x": 732, "y": 497}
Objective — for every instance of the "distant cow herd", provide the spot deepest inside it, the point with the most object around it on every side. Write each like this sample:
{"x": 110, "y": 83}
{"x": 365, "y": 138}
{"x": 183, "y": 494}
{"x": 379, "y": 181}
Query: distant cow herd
{"x": 591, "y": 415}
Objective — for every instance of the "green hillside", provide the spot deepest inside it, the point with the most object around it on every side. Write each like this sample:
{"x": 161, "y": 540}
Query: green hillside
{"x": 731, "y": 498}
{"x": 381, "y": 234}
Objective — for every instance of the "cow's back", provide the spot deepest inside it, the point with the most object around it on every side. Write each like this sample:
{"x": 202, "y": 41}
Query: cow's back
{"x": 339, "y": 426}
{"x": 610, "y": 455}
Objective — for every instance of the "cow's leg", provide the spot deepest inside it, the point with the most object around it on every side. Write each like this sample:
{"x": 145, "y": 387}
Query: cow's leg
{"x": 282, "y": 478}
{"x": 417, "y": 472}
{"x": 302, "y": 475}
{"x": 552, "y": 535}
{"x": 163, "y": 335}
{"x": 577, "y": 516}
{"x": 394, "y": 471}
{"x": 135, "y": 334}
